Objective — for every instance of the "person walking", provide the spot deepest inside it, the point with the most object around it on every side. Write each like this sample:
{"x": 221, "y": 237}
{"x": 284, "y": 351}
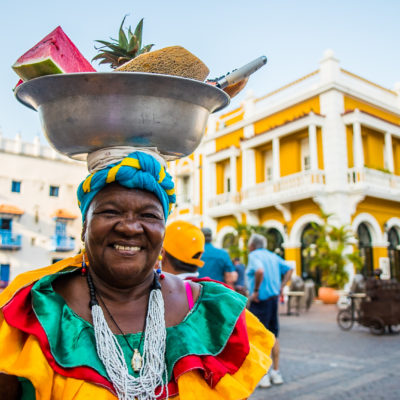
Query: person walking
{"x": 267, "y": 275}
{"x": 240, "y": 284}
{"x": 217, "y": 263}
{"x": 182, "y": 249}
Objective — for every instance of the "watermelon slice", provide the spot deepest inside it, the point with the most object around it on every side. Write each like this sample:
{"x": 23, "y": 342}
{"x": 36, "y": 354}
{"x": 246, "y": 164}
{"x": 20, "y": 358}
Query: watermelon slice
{"x": 54, "y": 54}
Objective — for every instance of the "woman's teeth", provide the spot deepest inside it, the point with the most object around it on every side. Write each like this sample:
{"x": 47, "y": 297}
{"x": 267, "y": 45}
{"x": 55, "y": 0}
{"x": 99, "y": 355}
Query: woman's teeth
{"x": 126, "y": 248}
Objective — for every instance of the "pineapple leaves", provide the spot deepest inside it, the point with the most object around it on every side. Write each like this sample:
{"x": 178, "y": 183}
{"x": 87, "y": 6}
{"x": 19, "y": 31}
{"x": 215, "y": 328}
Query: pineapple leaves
{"x": 123, "y": 41}
{"x": 113, "y": 47}
{"x": 133, "y": 45}
{"x": 138, "y": 33}
{"x": 145, "y": 49}
{"x": 127, "y": 47}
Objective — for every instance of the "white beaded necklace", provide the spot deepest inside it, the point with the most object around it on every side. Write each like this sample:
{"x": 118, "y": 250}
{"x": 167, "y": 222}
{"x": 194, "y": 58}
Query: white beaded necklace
{"x": 153, "y": 367}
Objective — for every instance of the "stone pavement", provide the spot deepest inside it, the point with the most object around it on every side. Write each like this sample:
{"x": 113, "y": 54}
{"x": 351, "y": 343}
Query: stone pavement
{"x": 321, "y": 362}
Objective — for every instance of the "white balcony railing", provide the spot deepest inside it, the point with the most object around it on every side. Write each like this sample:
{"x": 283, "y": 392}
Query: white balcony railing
{"x": 288, "y": 186}
{"x": 224, "y": 199}
{"x": 373, "y": 179}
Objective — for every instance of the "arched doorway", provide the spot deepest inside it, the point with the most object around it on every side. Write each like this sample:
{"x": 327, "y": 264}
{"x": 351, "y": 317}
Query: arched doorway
{"x": 394, "y": 253}
{"x": 275, "y": 242}
{"x": 230, "y": 243}
{"x": 307, "y": 239}
{"x": 365, "y": 247}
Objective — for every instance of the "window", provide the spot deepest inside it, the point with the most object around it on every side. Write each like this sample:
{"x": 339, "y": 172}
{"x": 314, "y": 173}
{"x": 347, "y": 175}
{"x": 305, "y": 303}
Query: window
{"x": 54, "y": 191}
{"x": 268, "y": 165}
{"x": 185, "y": 188}
{"x": 5, "y": 224}
{"x": 305, "y": 154}
{"x": 227, "y": 178}
{"x": 4, "y": 275}
{"x": 16, "y": 186}
{"x": 306, "y": 163}
{"x": 61, "y": 228}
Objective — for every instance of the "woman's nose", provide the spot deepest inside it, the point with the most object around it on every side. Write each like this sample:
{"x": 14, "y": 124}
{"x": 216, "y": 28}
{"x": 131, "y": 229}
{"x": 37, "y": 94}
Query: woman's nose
{"x": 129, "y": 226}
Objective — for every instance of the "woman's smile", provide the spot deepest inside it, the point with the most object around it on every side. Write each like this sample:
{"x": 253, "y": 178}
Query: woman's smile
{"x": 126, "y": 249}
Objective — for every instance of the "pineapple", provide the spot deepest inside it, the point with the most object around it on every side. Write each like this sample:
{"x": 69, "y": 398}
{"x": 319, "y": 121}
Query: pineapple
{"x": 127, "y": 47}
{"x": 126, "y": 54}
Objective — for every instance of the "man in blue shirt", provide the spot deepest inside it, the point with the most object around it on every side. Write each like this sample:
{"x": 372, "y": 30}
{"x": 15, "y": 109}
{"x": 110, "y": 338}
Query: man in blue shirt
{"x": 240, "y": 284}
{"x": 217, "y": 263}
{"x": 267, "y": 275}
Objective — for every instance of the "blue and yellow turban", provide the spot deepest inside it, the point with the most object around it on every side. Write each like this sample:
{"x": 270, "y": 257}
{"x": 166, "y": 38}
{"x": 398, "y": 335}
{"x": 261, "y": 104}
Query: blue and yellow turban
{"x": 136, "y": 171}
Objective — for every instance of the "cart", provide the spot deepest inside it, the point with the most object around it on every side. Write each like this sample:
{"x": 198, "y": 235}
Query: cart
{"x": 377, "y": 309}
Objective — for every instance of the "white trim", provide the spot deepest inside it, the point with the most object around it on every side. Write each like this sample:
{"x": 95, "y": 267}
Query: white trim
{"x": 223, "y": 154}
{"x": 298, "y": 226}
{"x": 220, "y": 235}
{"x": 284, "y": 130}
{"x": 272, "y": 223}
{"x": 370, "y": 121}
{"x": 388, "y": 154}
{"x": 393, "y": 223}
{"x": 184, "y": 166}
{"x": 303, "y": 96}
{"x": 373, "y": 225}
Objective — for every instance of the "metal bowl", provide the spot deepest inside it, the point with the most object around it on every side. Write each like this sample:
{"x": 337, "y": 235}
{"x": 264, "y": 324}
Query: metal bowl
{"x": 84, "y": 112}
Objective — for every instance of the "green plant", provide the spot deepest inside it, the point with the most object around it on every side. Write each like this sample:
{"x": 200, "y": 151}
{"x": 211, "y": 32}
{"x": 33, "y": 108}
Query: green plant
{"x": 328, "y": 253}
{"x": 236, "y": 242}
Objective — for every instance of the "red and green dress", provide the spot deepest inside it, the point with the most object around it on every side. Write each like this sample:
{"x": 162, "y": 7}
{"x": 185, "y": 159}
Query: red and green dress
{"x": 219, "y": 351}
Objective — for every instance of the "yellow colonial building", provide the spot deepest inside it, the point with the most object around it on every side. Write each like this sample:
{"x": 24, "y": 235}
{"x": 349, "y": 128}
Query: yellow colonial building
{"x": 330, "y": 141}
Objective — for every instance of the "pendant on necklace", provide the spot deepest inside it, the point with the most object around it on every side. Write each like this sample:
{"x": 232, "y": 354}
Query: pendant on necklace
{"x": 136, "y": 361}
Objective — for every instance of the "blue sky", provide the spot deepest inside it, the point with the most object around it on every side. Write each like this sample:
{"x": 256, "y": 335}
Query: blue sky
{"x": 224, "y": 34}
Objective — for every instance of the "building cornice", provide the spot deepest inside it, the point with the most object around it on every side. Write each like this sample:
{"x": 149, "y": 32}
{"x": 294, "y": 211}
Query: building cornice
{"x": 223, "y": 154}
{"x": 347, "y": 83}
{"x": 371, "y": 121}
{"x": 283, "y": 130}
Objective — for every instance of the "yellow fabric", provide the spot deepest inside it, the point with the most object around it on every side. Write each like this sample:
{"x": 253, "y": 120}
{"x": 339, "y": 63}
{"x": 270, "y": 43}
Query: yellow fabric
{"x": 126, "y": 162}
{"x": 27, "y": 278}
{"x": 241, "y": 384}
{"x": 22, "y": 356}
{"x": 161, "y": 174}
{"x": 130, "y": 162}
{"x": 86, "y": 183}
{"x": 111, "y": 173}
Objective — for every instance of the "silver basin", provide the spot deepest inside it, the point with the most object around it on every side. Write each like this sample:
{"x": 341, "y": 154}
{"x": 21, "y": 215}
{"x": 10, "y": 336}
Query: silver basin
{"x": 84, "y": 112}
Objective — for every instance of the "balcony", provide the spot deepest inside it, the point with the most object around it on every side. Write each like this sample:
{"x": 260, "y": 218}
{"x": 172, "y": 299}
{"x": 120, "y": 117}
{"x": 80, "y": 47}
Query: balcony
{"x": 63, "y": 243}
{"x": 373, "y": 182}
{"x": 9, "y": 241}
{"x": 223, "y": 204}
{"x": 289, "y": 188}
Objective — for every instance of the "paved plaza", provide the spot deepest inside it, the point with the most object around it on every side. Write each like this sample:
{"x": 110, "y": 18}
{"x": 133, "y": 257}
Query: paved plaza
{"x": 321, "y": 362}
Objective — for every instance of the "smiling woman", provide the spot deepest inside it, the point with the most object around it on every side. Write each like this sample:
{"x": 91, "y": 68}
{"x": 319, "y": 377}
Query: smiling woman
{"x": 123, "y": 234}
{"x": 108, "y": 324}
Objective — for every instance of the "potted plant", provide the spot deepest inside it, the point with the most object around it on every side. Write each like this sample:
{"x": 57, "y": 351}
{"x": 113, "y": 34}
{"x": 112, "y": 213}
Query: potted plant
{"x": 329, "y": 256}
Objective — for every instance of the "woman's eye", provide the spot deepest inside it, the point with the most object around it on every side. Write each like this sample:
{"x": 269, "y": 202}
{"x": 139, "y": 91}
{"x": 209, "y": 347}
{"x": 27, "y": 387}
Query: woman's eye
{"x": 150, "y": 215}
{"x": 108, "y": 212}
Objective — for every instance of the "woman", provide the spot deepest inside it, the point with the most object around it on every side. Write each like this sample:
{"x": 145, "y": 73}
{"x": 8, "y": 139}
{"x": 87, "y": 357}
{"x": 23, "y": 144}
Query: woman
{"x": 106, "y": 325}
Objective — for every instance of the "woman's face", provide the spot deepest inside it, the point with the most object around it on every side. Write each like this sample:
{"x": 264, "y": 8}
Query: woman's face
{"x": 123, "y": 234}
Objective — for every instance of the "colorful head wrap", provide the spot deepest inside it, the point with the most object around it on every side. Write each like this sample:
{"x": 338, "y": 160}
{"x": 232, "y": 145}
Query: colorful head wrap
{"x": 136, "y": 171}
